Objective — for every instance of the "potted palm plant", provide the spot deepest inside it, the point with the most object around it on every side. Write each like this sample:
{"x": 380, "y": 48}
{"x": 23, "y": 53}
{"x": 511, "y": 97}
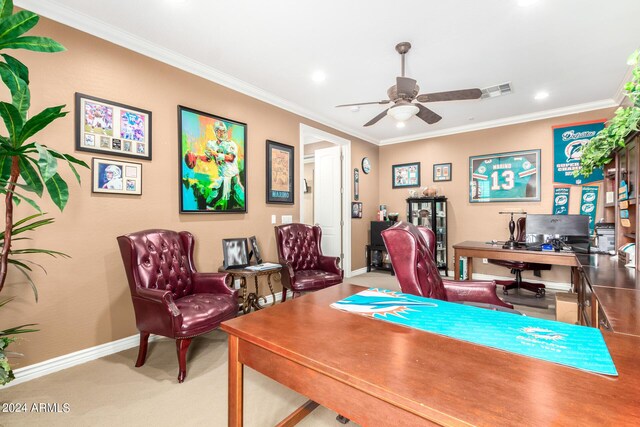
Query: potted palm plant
{"x": 28, "y": 170}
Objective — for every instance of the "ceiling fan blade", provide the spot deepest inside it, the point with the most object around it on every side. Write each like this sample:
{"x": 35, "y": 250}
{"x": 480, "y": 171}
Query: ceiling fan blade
{"x": 427, "y": 115}
{"x": 405, "y": 86}
{"x": 377, "y": 118}
{"x": 452, "y": 95}
{"x": 385, "y": 101}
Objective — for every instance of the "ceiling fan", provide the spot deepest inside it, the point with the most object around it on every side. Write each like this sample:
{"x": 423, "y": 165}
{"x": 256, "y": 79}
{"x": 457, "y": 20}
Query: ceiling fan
{"x": 405, "y": 91}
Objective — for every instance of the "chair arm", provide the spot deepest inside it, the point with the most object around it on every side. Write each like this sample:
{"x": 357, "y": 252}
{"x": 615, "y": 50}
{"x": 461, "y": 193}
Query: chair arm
{"x": 156, "y": 295}
{"x": 331, "y": 264}
{"x": 212, "y": 283}
{"x": 287, "y": 274}
{"x": 473, "y": 291}
{"x": 156, "y": 312}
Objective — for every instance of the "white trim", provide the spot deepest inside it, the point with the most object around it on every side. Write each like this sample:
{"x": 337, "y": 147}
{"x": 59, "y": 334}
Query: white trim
{"x": 358, "y": 272}
{"x": 621, "y": 93}
{"x": 573, "y": 109}
{"x": 65, "y": 361}
{"x": 556, "y": 286}
{"x": 309, "y": 135}
{"x": 90, "y": 25}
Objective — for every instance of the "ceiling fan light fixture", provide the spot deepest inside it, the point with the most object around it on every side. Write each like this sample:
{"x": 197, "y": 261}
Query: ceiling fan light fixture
{"x": 403, "y": 112}
{"x": 400, "y": 125}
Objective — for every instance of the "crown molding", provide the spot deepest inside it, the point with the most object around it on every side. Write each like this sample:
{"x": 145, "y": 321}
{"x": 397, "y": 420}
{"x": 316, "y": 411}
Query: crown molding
{"x": 547, "y": 114}
{"x": 100, "y": 29}
{"x": 621, "y": 94}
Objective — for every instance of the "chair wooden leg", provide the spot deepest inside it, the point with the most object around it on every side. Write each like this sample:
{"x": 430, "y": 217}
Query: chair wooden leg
{"x": 182, "y": 346}
{"x": 142, "y": 351}
{"x": 284, "y": 294}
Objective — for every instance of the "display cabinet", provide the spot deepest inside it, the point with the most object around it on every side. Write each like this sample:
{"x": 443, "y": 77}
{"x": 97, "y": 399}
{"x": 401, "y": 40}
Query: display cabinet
{"x": 431, "y": 212}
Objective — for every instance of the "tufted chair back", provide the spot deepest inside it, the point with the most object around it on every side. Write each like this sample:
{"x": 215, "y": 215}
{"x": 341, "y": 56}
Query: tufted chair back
{"x": 161, "y": 259}
{"x": 299, "y": 245}
{"x": 410, "y": 249}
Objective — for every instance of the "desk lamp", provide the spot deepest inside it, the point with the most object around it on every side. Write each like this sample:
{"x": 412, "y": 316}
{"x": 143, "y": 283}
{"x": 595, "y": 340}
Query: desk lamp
{"x": 511, "y": 243}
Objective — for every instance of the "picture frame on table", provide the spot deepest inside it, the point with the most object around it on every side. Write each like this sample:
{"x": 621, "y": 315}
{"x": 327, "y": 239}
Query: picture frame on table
{"x": 405, "y": 175}
{"x": 212, "y": 163}
{"x": 112, "y": 128}
{"x": 255, "y": 252}
{"x": 280, "y": 173}
{"x": 116, "y": 177}
{"x": 442, "y": 172}
{"x": 235, "y": 253}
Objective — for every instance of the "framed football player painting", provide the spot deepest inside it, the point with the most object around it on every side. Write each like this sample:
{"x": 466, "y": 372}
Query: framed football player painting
{"x": 505, "y": 177}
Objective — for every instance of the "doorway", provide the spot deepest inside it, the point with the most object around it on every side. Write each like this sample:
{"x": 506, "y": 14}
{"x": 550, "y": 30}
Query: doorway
{"x": 340, "y": 207}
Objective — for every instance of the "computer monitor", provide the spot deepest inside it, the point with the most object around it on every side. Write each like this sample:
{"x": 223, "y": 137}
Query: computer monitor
{"x": 571, "y": 230}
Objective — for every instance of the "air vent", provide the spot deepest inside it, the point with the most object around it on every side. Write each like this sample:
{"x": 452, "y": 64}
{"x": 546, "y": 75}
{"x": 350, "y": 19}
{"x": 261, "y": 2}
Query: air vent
{"x": 497, "y": 90}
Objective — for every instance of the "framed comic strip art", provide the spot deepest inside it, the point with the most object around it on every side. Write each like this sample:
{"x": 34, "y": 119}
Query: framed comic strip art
{"x": 505, "y": 177}
{"x": 280, "y": 175}
{"x": 116, "y": 177}
{"x": 406, "y": 175}
{"x": 442, "y": 172}
{"x": 108, "y": 127}
{"x": 212, "y": 163}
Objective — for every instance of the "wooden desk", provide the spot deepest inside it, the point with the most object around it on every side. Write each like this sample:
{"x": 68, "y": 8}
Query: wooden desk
{"x": 377, "y": 373}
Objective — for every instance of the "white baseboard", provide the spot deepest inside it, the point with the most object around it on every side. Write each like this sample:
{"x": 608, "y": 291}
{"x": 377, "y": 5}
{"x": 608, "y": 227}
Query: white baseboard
{"x": 65, "y": 361}
{"x": 358, "y": 272}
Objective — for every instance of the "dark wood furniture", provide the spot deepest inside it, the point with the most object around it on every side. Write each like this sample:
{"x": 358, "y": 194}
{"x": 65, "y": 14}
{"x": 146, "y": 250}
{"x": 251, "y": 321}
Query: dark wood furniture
{"x": 378, "y": 263}
{"x": 378, "y": 373}
{"x": 249, "y": 300}
{"x": 431, "y": 212}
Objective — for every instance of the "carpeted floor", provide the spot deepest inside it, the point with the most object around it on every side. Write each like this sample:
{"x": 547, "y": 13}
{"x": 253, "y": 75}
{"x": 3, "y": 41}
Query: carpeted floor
{"x": 111, "y": 392}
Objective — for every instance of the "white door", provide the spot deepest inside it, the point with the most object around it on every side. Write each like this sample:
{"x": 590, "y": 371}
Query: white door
{"x": 327, "y": 199}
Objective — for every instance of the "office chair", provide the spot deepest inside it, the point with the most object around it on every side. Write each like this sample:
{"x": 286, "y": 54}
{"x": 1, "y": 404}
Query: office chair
{"x": 517, "y": 267}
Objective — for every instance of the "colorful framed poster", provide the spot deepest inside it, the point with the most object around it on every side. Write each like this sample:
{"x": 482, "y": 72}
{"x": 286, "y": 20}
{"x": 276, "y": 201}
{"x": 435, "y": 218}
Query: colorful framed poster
{"x": 280, "y": 175}
{"x": 568, "y": 141}
{"x": 116, "y": 177}
{"x": 405, "y": 175}
{"x": 505, "y": 177}
{"x": 212, "y": 163}
{"x": 561, "y": 200}
{"x": 112, "y": 128}
{"x": 442, "y": 172}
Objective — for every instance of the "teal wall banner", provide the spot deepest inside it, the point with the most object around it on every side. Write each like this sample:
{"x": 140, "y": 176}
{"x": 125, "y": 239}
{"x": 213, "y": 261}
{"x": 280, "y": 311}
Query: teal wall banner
{"x": 561, "y": 200}
{"x": 567, "y": 145}
{"x": 588, "y": 204}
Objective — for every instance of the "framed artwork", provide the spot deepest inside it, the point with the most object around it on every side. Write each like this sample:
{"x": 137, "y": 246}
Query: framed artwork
{"x": 235, "y": 252}
{"x": 505, "y": 177}
{"x": 116, "y": 177}
{"x": 280, "y": 173}
{"x": 254, "y": 250}
{"x": 406, "y": 175}
{"x": 442, "y": 172}
{"x": 356, "y": 184}
{"x": 212, "y": 163}
{"x": 112, "y": 128}
{"x": 356, "y": 209}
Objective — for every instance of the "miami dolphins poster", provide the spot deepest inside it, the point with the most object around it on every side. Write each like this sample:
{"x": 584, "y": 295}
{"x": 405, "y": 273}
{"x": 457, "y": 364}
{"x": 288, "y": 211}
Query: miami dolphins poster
{"x": 588, "y": 204}
{"x": 505, "y": 177}
{"x": 561, "y": 200}
{"x": 568, "y": 141}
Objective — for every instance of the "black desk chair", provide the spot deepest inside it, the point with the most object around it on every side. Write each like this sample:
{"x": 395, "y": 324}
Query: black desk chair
{"x": 517, "y": 267}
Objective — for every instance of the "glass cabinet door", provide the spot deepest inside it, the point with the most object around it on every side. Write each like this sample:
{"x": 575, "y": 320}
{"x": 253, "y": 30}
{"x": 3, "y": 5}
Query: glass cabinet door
{"x": 421, "y": 213}
{"x": 440, "y": 229}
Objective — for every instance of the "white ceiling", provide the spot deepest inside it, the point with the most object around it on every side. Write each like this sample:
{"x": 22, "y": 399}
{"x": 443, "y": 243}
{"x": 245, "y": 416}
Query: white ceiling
{"x": 574, "y": 49}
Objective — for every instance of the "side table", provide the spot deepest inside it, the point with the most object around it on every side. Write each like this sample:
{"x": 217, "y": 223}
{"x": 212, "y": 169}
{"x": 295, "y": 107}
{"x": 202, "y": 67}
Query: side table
{"x": 251, "y": 299}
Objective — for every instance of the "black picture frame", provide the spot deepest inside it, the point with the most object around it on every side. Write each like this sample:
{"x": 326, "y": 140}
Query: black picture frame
{"x": 203, "y": 157}
{"x": 235, "y": 252}
{"x": 280, "y": 180}
{"x": 442, "y": 172}
{"x": 405, "y": 175}
{"x": 255, "y": 251}
{"x": 116, "y": 177}
{"x": 112, "y": 128}
{"x": 356, "y": 209}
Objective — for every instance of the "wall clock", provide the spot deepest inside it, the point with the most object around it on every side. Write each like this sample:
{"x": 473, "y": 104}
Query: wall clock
{"x": 366, "y": 165}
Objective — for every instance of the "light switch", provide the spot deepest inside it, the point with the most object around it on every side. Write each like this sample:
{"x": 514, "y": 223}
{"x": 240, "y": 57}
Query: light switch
{"x": 287, "y": 219}
{"x": 273, "y": 219}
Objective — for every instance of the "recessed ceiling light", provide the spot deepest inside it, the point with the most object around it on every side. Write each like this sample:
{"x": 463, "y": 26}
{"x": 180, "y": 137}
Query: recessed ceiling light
{"x": 527, "y": 3}
{"x": 400, "y": 125}
{"x": 318, "y": 76}
{"x": 541, "y": 95}
{"x": 355, "y": 109}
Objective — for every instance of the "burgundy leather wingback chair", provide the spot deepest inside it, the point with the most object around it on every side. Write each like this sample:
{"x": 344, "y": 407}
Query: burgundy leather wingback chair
{"x": 304, "y": 268}
{"x": 517, "y": 267}
{"x": 410, "y": 250}
{"x": 170, "y": 298}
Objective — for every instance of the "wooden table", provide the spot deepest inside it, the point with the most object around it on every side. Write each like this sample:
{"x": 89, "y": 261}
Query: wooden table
{"x": 251, "y": 299}
{"x": 377, "y": 373}
{"x": 472, "y": 249}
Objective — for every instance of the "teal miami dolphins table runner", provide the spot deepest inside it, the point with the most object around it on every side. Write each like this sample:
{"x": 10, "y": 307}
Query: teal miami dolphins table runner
{"x": 576, "y": 346}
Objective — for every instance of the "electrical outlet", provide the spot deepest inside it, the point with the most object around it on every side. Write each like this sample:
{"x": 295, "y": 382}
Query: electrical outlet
{"x": 485, "y": 261}
{"x": 273, "y": 219}
{"x": 287, "y": 219}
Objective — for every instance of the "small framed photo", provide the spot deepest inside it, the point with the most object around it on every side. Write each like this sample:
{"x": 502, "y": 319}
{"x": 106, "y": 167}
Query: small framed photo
{"x": 236, "y": 254}
{"x": 280, "y": 173}
{"x": 356, "y": 209}
{"x": 112, "y": 128}
{"x": 442, "y": 172}
{"x": 116, "y": 177}
{"x": 406, "y": 175}
{"x": 254, "y": 250}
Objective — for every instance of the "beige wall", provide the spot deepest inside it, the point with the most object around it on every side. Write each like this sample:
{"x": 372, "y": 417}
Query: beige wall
{"x": 84, "y": 301}
{"x": 481, "y": 221}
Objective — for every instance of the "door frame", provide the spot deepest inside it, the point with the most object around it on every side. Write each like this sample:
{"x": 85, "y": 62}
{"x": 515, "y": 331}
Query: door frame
{"x": 309, "y": 135}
